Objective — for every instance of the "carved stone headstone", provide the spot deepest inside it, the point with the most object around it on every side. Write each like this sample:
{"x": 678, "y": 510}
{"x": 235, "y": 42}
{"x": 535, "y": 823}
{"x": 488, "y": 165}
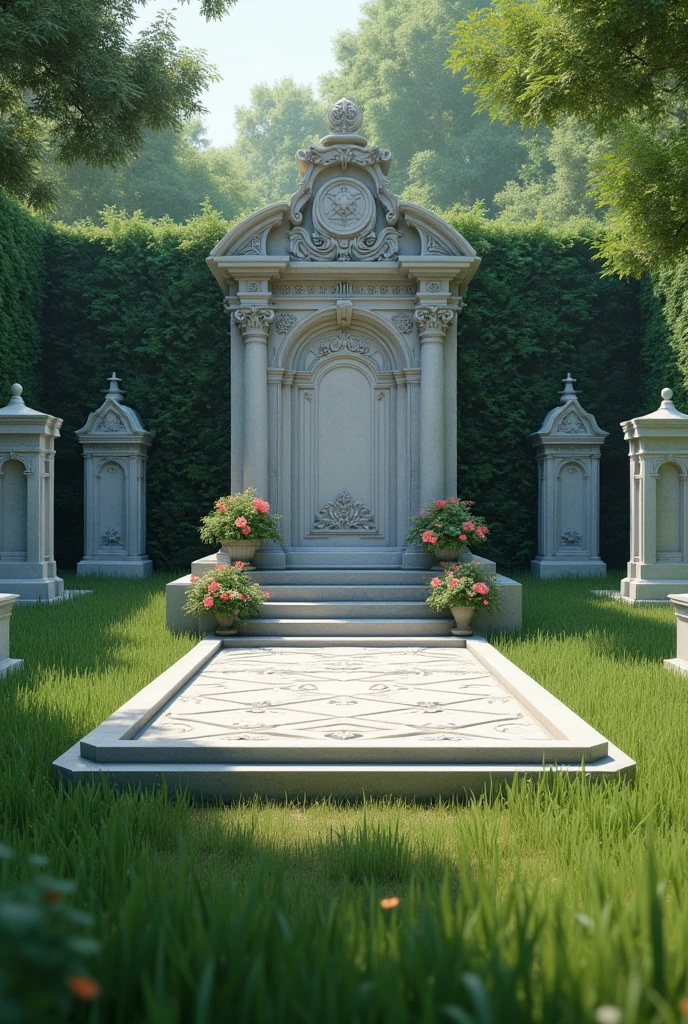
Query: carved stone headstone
{"x": 568, "y": 448}
{"x": 658, "y": 452}
{"x": 115, "y": 448}
{"x": 27, "y": 467}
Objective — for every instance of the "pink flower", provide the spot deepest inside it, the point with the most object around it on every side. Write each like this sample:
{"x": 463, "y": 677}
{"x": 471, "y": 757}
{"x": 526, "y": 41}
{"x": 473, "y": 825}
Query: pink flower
{"x": 246, "y": 530}
{"x": 266, "y": 593}
{"x": 194, "y": 579}
{"x": 435, "y": 582}
{"x": 239, "y": 565}
{"x": 440, "y": 504}
{"x": 207, "y": 602}
{"x": 243, "y": 597}
{"x": 453, "y": 501}
{"x": 220, "y": 506}
{"x": 462, "y": 536}
{"x": 468, "y": 526}
{"x": 481, "y": 588}
{"x": 481, "y": 531}
{"x": 428, "y": 537}
{"x": 486, "y": 601}
{"x": 261, "y": 506}
{"x": 213, "y": 586}
{"x": 224, "y": 597}
{"x": 452, "y": 584}
{"x": 241, "y": 521}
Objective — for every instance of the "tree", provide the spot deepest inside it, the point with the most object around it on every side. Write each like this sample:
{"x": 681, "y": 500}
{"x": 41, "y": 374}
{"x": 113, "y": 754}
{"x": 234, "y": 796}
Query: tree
{"x": 622, "y": 68}
{"x": 172, "y": 176}
{"x": 394, "y": 66}
{"x": 280, "y": 119}
{"x": 72, "y": 77}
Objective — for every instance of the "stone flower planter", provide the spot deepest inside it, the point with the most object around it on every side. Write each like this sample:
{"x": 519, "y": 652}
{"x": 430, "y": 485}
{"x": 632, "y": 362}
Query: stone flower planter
{"x": 225, "y": 625}
{"x": 449, "y": 554}
{"x": 240, "y": 550}
{"x": 462, "y": 618}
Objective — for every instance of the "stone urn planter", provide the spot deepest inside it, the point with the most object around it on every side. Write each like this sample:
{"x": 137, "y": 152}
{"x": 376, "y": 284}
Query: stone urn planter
{"x": 449, "y": 554}
{"x": 225, "y": 625}
{"x": 462, "y": 618}
{"x": 240, "y": 550}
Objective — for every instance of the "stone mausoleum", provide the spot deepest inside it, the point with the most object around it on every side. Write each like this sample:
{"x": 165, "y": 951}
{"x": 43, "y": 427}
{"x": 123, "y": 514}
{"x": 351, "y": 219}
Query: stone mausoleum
{"x": 343, "y": 304}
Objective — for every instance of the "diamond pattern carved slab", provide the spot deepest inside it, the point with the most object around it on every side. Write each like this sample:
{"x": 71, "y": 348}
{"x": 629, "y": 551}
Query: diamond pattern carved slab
{"x": 289, "y": 699}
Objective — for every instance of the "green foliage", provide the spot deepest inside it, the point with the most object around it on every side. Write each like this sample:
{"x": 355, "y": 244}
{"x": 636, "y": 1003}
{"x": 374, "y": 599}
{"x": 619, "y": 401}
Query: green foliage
{"x": 393, "y": 65}
{"x": 279, "y": 119}
{"x": 71, "y": 74}
{"x": 225, "y": 591}
{"x": 256, "y": 522}
{"x": 447, "y": 523}
{"x": 665, "y": 337}
{"x": 620, "y": 68}
{"x": 22, "y": 270}
{"x": 464, "y": 585}
{"x": 136, "y": 296}
{"x": 536, "y": 308}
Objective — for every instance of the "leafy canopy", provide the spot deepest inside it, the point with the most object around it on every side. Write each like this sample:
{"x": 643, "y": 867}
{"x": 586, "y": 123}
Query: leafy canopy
{"x": 621, "y": 68}
{"x": 72, "y": 75}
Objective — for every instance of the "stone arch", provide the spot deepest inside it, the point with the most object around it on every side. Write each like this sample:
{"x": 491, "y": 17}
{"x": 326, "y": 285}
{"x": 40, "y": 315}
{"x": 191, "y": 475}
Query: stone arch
{"x": 323, "y": 323}
{"x": 567, "y": 463}
{"x": 12, "y": 457}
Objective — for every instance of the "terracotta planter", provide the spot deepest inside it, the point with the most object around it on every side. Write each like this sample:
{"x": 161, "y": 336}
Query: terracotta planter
{"x": 225, "y": 625}
{"x": 240, "y": 550}
{"x": 462, "y": 618}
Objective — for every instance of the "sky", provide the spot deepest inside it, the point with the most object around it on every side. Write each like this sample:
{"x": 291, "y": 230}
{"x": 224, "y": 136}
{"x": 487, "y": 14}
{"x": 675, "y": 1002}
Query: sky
{"x": 259, "y": 41}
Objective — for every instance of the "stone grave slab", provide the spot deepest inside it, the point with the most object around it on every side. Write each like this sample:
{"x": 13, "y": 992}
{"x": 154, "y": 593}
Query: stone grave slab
{"x": 416, "y": 722}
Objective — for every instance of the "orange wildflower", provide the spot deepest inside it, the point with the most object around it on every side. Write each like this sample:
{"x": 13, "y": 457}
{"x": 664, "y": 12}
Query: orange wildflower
{"x": 683, "y": 1006}
{"x": 84, "y": 987}
{"x": 389, "y": 902}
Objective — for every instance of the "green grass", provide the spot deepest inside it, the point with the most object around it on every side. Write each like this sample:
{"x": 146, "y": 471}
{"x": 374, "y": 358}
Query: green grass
{"x": 539, "y": 904}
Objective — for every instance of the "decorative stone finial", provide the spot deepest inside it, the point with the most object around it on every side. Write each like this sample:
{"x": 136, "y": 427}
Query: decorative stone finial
{"x": 345, "y": 117}
{"x": 667, "y": 394}
{"x": 113, "y": 391}
{"x": 16, "y": 392}
{"x": 569, "y": 393}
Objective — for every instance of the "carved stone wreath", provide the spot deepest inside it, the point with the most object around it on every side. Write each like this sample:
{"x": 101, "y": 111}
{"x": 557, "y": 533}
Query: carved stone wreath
{"x": 111, "y": 537}
{"x": 342, "y": 515}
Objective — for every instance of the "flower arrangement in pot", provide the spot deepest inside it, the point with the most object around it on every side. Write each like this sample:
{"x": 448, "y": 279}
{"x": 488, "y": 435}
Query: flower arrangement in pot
{"x": 227, "y": 593}
{"x": 240, "y": 522}
{"x": 462, "y": 588}
{"x": 446, "y": 527}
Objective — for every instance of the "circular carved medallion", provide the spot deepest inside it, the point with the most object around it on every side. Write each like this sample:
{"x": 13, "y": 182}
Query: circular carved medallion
{"x": 344, "y": 208}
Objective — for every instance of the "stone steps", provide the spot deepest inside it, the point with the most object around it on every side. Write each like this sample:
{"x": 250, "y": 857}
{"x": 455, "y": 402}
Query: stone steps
{"x": 339, "y": 610}
{"x": 349, "y": 557}
{"x": 306, "y": 592}
{"x": 245, "y": 640}
{"x": 336, "y": 628}
{"x": 342, "y": 577}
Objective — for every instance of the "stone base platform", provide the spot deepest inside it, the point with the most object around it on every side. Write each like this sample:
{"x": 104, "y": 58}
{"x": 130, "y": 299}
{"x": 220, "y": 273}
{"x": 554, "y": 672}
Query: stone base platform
{"x": 416, "y": 722}
{"x": 133, "y": 568}
{"x": 10, "y": 665}
{"x": 553, "y": 568}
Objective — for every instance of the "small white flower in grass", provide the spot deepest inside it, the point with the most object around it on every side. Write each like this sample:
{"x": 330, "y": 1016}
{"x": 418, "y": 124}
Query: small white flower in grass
{"x": 608, "y": 1014}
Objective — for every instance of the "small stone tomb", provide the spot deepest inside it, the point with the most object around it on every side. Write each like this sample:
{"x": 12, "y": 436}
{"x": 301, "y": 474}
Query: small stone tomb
{"x": 658, "y": 452}
{"x": 680, "y": 662}
{"x": 115, "y": 447}
{"x": 417, "y": 722}
{"x": 27, "y": 467}
{"x": 7, "y": 664}
{"x": 568, "y": 455}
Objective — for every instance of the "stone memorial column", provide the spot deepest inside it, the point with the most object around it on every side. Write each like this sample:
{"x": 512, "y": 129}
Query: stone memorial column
{"x": 115, "y": 447}
{"x": 658, "y": 454}
{"x": 433, "y": 323}
{"x": 568, "y": 448}
{"x": 27, "y": 466}
{"x": 254, "y": 323}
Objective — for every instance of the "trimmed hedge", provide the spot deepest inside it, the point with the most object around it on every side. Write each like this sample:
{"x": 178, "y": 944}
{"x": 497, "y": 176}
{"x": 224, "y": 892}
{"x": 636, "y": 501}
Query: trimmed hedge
{"x": 21, "y": 300}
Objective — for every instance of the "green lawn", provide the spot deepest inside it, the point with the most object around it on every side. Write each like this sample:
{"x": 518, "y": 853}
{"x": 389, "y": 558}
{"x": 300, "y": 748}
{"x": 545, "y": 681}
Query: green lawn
{"x": 541, "y": 904}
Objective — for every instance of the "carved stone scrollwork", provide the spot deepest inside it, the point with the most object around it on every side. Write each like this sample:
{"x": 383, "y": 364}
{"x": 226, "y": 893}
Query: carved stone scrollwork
{"x": 342, "y": 515}
{"x": 253, "y": 318}
{"x": 111, "y": 423}
{"x": 403, "y": 322}
{"x": 343, "y": 343}
{"x": 433, "y": 319}
{"x": 572, "y": 424}
{"x": 345, "y": 116}
{"x": 284, "y": 322}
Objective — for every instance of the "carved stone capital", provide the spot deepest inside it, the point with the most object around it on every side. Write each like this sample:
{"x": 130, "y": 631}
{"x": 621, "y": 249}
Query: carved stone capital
{"x": 433, "y": 321}
{"x": 252, "y": 320}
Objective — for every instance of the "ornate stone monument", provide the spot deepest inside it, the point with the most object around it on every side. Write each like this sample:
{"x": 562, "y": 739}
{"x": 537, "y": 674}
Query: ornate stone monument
{"x": 27, "y": 467}
{"x": 343, "y": 306}
{"x": 115, "y": 447}
{"x": 7, "y": 664}
{"x": 658, "y": 453}
{"x": 568, "y": 448}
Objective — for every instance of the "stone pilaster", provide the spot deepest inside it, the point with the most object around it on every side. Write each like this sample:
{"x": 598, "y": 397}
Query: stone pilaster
{"x": 254, "y": 323}
{"x": 433, "y": 322}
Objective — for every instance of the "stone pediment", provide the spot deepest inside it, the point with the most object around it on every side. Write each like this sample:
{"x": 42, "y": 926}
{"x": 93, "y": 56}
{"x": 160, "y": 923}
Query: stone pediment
{"x": 114, "y": 421}
{"x": 568, "y": 421}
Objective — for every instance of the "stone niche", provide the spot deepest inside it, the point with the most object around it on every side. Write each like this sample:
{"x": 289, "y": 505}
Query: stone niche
{"x": 568, "y": 456}
{"x": 658, "y": 454}
{"x": 115, "y": 447}
{"x": 27, "y": 481}
{"x": 343, "y": 305}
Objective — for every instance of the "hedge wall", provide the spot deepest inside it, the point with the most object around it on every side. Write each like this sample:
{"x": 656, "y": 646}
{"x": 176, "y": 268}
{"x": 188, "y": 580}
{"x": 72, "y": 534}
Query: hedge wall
{"x": 21, "y": 281}
{"x": 136, "y": 296}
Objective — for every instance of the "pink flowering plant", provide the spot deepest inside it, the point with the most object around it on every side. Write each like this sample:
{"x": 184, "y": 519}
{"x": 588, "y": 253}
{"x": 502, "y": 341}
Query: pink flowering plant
{"x": 227, "y": 590}
{"x": 242, "y": 516}
{"x": 465, "y": 585}
{"x": 447, "y": 523}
